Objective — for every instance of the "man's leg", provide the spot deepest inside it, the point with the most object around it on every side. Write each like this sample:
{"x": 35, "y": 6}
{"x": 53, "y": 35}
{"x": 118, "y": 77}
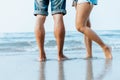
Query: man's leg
{"x": 59, "y": 32}
{"x": 40, "y": 35}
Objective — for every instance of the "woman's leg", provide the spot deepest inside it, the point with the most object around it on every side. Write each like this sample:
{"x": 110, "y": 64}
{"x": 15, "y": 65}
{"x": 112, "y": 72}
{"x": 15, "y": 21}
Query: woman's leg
{"x": 88, "y": 42}
{"x": 82, "y": 14}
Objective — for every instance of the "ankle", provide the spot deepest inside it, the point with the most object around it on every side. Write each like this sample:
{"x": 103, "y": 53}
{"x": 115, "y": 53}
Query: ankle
{"x": 105, "y": 47}
{"x": 88, "y": 56}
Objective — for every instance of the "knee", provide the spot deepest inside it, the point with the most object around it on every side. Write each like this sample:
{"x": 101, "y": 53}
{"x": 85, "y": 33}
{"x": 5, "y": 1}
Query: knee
{"x": 80, "y": 27}
{"x": 41, "y": 18}
{"x": 58, "y": 19}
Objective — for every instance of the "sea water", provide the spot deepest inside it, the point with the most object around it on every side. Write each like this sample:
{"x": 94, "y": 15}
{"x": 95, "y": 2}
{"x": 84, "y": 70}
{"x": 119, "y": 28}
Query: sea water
{"x": 25, "y": 43}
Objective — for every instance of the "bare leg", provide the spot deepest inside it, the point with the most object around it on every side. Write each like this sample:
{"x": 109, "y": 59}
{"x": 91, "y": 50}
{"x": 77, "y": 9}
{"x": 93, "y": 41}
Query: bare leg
{"x": 82, "y": 14}
{"x": 88, "y": 43}
{"x": 40, "y": 35}
{"x": 59, "y": 31}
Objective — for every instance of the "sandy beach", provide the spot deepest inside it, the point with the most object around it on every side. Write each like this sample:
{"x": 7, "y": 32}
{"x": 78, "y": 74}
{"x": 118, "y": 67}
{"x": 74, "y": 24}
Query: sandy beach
{"x": 27, "y": 67}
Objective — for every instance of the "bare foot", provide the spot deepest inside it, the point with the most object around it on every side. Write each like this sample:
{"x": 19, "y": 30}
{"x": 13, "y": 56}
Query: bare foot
{"x": 42, "y": 57}
{"x": 62, "y": 57}
{"x": 107, "y": 51}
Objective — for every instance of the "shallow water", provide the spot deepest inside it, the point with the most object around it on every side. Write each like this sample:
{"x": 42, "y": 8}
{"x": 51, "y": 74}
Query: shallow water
{"x": 25, "y": 42}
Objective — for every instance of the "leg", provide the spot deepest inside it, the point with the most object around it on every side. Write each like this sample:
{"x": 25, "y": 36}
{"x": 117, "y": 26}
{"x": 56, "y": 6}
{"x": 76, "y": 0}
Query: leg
{"x": 82, "y": 14}
{"x": 88, "y": 42}
{"x": 59, "y": 32}
{"x": 40, "y": 35}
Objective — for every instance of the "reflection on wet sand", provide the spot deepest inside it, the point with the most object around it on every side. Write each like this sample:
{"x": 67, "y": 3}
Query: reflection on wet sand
{"x": 42, "y": 70}
{"x": 61, "y": 70}
{"x": 90, "y": 72}
{"x": 89, "y": 75}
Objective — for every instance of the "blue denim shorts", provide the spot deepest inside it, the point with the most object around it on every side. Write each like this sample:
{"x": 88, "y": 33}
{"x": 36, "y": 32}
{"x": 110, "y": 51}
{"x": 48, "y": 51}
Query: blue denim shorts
{"x": 92, "y": 2}
{"x": 57, "y": 7}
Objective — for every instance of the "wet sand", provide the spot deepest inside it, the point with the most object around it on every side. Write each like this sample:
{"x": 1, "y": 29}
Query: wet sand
{"x": 28, "y": 67}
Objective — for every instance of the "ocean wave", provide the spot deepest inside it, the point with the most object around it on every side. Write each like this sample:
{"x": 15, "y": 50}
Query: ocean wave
{"x": 11, "y": 50}
{"x": 67, "y": 43}
{"x": 109, "y": 33}
{"x": 73, "y": 42}
{"x": 18, "y": 49}
{"x": 28, "y": 46}
{"x": 16, "y": 44}
{"x": 74, "y": 48}
{"x": 25, "y": 42}
{"x": 50, "y": 43}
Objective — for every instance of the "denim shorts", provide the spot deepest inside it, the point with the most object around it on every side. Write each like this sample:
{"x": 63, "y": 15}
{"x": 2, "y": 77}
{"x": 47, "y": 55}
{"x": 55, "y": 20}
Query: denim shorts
{"x": 57, "y": 7}
{"x": 92, "y": 2}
